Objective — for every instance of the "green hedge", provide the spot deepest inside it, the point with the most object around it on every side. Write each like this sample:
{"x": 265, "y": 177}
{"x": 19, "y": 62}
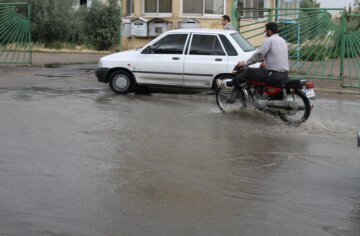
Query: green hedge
{"x": 103, "y": 24}
{"x": 54, "y": 22}
{"x": 319, "y": 53}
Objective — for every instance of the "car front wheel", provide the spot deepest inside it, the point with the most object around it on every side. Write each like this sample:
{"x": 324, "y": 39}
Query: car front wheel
{"x": 121, "y": 82}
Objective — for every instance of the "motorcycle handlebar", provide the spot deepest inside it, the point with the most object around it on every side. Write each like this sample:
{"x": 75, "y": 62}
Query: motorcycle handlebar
{"x": 237, "y": 69}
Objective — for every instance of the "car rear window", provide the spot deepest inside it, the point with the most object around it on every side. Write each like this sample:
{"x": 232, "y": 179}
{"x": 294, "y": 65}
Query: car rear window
{"x": 206, "y": 45}
{"x": 243, "y": 43}
{"x": 231, "y": 51}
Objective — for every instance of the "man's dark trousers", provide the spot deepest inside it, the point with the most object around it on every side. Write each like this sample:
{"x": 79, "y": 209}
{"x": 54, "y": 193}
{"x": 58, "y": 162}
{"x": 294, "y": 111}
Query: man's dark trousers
{"x": 273, "y": 78}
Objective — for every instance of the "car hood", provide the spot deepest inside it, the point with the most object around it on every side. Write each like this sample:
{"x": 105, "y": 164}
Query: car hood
{"x": 119, "y": 59}
{"x": 249, "y": 54}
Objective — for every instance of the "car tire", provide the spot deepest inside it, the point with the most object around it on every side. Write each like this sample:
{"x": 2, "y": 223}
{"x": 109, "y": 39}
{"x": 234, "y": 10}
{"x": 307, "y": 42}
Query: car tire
{"x": 121, "y": 82}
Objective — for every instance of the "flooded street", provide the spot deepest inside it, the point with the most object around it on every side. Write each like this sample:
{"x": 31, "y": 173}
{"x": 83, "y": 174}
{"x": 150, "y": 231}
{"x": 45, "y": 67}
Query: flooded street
{"x": 75, "y": 159}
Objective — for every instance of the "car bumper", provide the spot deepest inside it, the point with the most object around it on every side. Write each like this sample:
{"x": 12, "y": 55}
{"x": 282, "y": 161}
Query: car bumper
{"x": 102, "y": 74}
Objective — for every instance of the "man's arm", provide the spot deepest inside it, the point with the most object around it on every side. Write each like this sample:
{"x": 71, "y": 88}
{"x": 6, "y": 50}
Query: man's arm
{"x": 257, "y": 57}
{"x": 260, "y": 54}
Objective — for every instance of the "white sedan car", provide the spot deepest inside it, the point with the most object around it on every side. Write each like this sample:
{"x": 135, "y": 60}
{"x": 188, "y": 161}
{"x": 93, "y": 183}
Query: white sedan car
{"x": 192, "y": 58}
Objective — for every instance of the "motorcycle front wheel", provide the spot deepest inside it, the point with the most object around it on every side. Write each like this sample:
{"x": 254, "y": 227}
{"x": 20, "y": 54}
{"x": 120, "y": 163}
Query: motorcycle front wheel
{"x": 303, "y": 113}
{"x": 230, "y": 100}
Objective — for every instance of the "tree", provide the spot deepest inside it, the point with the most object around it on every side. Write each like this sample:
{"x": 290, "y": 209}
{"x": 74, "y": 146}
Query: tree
{"x": 356, "y": 4}
{"x": 309, "y": 4}
{"x": 353, "y": 22}
{"x": 310, "y": 22}
{"x": 54, "y": 22}
{"x": 51, "y": 20}
{"x": 102, "y": 24}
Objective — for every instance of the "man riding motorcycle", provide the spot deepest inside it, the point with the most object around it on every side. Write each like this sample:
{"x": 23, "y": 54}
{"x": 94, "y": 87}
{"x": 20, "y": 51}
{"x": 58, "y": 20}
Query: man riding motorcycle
{"x": 268, "y": 87}
{"x": 274, "y": 52}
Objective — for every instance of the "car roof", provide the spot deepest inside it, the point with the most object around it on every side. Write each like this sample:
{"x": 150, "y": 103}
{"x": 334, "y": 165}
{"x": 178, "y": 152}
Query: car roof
{"x": 202, "y": 30}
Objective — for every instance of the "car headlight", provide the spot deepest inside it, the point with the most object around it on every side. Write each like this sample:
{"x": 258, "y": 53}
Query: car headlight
{"x": 100, "y": 63}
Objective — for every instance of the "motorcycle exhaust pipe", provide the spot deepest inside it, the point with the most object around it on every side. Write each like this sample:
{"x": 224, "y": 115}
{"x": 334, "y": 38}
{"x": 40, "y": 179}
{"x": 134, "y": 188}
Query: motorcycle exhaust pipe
{"x": 278, "y": 106}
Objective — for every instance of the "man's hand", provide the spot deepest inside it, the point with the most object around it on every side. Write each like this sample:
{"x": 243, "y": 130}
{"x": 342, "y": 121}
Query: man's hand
{"x": 241, "y": 64}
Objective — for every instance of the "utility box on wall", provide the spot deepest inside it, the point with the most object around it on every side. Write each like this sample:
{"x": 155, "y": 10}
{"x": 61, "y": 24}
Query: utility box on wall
{"x": 126, "y": 28}
{"x": 158, "y": 26}
{"x": 189, "y": 23}
{"x": 139, "y": 27}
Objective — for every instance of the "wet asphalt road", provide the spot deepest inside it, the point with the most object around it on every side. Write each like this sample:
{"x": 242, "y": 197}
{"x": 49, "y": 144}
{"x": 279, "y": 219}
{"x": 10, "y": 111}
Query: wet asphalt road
{"x": 76, "y": 160}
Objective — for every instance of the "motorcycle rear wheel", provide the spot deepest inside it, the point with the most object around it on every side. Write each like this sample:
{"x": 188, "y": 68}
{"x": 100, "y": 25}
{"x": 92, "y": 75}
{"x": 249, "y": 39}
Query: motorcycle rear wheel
{"x": 226, "y": 104}
{"x": 305, "y": 108}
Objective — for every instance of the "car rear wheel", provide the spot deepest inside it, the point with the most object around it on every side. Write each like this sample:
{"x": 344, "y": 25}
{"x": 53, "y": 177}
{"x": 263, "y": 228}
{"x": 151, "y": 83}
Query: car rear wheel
{"x": 121, "y": 82}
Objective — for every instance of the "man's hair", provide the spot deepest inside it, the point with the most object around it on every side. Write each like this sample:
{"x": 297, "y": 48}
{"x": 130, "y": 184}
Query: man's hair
{"x": 226, "y": 17}
{"x": 273, "y": 27}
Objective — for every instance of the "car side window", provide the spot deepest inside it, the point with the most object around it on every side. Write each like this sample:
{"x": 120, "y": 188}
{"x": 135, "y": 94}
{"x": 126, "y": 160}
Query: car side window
{"x": 171, "y": 44}
{"x": 206, "y": 45}
{"x": 231, "y": 51}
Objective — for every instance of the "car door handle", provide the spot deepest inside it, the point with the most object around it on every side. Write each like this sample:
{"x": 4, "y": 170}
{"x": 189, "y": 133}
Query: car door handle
{"x": 176, "y": 58}
{"x": 218, "y": 59}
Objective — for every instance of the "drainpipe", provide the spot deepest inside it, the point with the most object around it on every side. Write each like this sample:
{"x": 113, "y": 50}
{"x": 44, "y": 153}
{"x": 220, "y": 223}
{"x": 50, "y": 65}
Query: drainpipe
{"x": 120, "y": 33}
{"x": 234, "y": 15}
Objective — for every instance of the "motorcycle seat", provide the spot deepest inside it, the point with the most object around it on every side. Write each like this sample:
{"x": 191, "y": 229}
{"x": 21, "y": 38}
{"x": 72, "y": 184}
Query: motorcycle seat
{"x": 294, "y": 83}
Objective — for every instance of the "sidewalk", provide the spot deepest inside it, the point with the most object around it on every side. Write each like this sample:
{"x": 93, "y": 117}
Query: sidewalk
{"x": 333, "y": 86}
{"x": 53, "y": 59}
{"x": 48, "y": 59}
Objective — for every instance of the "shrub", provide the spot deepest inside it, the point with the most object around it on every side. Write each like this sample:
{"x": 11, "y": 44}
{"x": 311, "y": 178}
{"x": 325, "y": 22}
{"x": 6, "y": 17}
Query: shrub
{"x": 102, "y": 24}
{"x": 52, "y": 20}
{"x": 319, "y": 53}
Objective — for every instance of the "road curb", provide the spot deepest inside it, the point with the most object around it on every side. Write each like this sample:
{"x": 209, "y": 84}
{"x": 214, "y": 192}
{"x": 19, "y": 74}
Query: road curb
{"x": 346, "y": 92}
{"x": 59, "y": 64}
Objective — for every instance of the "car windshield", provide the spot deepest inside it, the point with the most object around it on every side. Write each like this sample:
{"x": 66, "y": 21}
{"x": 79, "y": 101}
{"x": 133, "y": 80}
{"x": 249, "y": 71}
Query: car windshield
{"x": 243, "y": 43}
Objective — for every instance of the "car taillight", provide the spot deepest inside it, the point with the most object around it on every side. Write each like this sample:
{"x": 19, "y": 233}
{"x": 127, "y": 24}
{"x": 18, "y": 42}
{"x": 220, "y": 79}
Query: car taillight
{"x": 310, "y": 85}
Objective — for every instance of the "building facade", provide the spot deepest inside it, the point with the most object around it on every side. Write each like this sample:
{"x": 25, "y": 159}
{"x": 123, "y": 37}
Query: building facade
{"x": 202, "y": 13}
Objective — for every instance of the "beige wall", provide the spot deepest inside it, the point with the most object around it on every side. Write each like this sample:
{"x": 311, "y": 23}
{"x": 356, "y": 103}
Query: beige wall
{"x": 205, "y": 22}
{"x": 253, "y": 30}
{"x": 135, "y": 42}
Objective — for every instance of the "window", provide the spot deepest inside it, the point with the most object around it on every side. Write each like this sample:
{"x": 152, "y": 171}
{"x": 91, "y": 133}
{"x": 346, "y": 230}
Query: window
{"x": 215, "y": 7}
{"x": 243, "y": 43}
{"x": 157, "y": 6}
{"x": 203, "y": 7}
{"x": 171, "y": 44}
{"x": 289, "y": 3}
{"x": 231, "y": 51}
{"x": 192, "y": 7}
{"x": 252, "y": 8}
{"x": 206, "y": 45}
{"x": 129, "y": 7}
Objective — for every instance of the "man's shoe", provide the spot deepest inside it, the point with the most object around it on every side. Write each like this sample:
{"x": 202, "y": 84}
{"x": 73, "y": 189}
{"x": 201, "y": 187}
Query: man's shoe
{"x": 229, "y": 83}
{"x": 225, "y": 84}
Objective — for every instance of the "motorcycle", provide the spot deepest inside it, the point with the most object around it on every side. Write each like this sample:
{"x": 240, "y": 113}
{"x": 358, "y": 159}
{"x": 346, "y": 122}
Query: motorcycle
{"x": 290, "y": 101}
